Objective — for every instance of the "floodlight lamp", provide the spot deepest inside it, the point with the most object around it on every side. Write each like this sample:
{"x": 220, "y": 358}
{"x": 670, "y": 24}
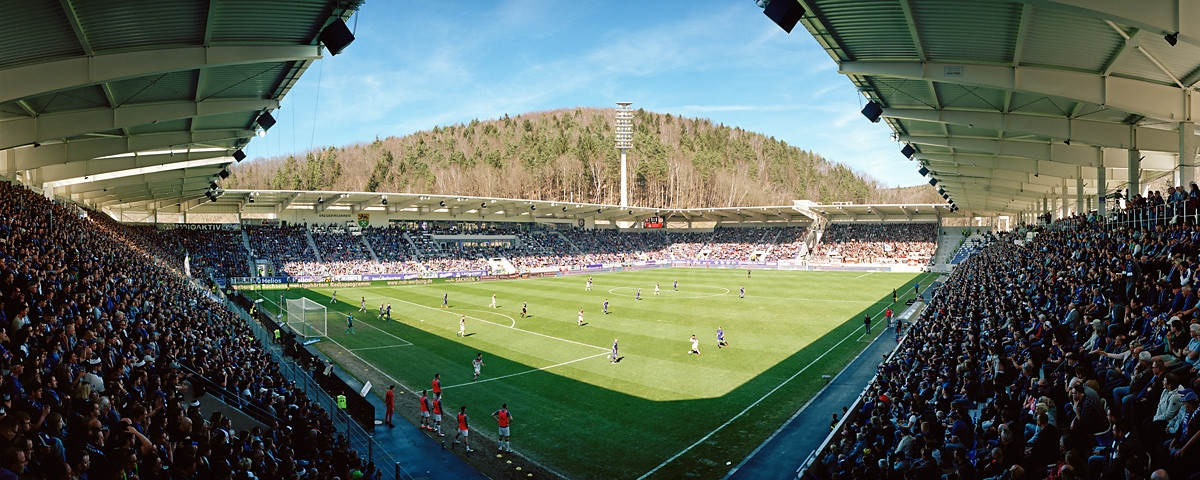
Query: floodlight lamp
{"x": 1172, "y": 38}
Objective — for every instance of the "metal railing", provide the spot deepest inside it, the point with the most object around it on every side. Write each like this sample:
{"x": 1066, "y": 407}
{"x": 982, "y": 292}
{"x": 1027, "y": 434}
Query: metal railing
{"x": 359, "y": 439}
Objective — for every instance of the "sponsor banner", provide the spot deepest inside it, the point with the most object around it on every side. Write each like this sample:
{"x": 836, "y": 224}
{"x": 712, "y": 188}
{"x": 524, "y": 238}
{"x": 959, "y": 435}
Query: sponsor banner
{"x": 252, "y": 280}
{"x": 262, "y": 286}
{"x": 411, "y": 281}
{"x": 391, "y": 276}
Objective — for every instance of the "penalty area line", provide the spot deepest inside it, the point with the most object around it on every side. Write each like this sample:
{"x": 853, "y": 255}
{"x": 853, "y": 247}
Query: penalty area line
{"x": 385, "y": 332}
{"x": 525, "y": 372}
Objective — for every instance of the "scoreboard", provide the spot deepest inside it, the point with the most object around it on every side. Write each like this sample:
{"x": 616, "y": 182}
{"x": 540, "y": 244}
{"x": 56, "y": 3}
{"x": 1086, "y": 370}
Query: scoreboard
{"x": 652, "y": 222}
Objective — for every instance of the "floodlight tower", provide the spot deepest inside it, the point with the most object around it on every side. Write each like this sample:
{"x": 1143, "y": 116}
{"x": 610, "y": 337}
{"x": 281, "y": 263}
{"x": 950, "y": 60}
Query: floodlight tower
{"x": 624, "y": 143}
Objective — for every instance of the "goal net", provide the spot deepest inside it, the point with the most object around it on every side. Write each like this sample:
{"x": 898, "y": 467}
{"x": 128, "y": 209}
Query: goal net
{"x": 306, "y": 317}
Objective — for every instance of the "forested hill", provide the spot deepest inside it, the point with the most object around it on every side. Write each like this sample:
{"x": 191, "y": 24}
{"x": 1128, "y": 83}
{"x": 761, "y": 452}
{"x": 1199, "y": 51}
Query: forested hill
{"x": 568, "y": 155}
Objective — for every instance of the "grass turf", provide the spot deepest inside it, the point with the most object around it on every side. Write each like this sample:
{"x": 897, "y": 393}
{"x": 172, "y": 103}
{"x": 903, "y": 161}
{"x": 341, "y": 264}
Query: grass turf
{"x": 584, "y": 417}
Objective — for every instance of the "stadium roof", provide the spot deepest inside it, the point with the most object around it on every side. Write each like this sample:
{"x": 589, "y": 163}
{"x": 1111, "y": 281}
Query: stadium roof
{"x": 117, "y": 102}
{"x": 1010, "y": 102}
{"x": 274, "y": 203}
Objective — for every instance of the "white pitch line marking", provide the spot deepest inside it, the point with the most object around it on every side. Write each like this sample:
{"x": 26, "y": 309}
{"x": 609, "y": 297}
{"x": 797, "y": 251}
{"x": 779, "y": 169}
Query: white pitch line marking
{"x": 375, "y": 348}
{"x": 514, "y": 321}
{"x": 614, "y": 291}
{"x": 452, "y": 312}
{"x": 385, "y": 332}
{"x": 751, "y": 406}
{"x": 527, "y": 371}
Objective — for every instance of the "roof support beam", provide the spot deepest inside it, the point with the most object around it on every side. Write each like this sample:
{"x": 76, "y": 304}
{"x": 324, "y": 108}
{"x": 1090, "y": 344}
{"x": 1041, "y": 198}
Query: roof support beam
{"x": 172, "y": 175}
{"x": 285, "y": 203}
{"x": 62, "y": 74}
{"x": 26, "y": 158}
{"x": 1159, "y": 17}
{"x": 27, "y": 131}
{"x": 1090, "y": 132}
{"x": 1144, "y": 98}
{"x": 1072, "y": 154}
{"x": 118, "y": 164}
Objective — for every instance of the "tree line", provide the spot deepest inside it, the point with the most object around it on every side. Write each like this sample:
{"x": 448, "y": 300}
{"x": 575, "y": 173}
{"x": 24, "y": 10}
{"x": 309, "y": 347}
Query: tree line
{"x": 569, "y": 155}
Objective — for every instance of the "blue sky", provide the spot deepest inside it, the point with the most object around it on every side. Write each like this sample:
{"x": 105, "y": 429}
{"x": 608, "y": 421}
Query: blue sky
{"x": 416, "y": 64}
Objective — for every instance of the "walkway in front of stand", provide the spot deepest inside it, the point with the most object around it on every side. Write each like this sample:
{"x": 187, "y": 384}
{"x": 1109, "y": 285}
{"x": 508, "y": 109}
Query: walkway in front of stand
{"x": 419, "y": 455}
{"x": 788, "y": 447}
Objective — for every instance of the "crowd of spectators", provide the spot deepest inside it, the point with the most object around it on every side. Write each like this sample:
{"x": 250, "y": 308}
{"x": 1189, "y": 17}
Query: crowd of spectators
{"x": 1157, "y": 208}
{"x": 220, "y": 249}
{"x": 450, "y": 248}
{"x": 100, "y": 339}
{"x": 393, "y": 249}
{"x": 877, "y": 243}
{"x": 286, "y": 247}
{"x": 610, "y": 246}
{"x": 1074, "y": 356}
{"x": 789, "y": 243}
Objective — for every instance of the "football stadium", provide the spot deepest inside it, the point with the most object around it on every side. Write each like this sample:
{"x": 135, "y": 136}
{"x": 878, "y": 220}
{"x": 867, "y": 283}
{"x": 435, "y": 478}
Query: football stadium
{"x": 598, "y": 292}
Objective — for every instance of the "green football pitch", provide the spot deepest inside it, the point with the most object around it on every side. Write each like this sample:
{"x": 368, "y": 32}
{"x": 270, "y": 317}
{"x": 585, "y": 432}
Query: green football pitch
{"x": 658, "y": 409}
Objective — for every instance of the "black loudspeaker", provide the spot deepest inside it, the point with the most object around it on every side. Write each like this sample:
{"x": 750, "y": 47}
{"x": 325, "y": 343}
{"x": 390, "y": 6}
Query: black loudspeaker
{"x": 224, "y": 174}
{"x": 923, "y": 171}
{"x": 239, "y": 155}
{"x": 785, "y": 13}
{"x": 337, "y": 36}
{"x": 945, "y": 196}
{"x": 908, "y": 151}
{"x": 933, "y": 181}
{"x": 872, "y": 111}
{"x": 266, "y": 121}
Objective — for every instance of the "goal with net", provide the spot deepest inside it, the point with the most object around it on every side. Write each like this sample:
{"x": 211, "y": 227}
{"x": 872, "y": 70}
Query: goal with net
{"x": 306, "y": 317}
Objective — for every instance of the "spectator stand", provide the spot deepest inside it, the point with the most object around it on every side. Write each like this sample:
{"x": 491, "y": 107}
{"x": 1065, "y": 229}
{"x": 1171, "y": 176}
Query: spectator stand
{"x": 913, "y": 310}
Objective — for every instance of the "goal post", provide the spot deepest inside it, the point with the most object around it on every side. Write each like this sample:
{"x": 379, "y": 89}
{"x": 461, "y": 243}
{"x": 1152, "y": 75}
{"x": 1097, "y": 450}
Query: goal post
{"x": 307, "y": 318}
